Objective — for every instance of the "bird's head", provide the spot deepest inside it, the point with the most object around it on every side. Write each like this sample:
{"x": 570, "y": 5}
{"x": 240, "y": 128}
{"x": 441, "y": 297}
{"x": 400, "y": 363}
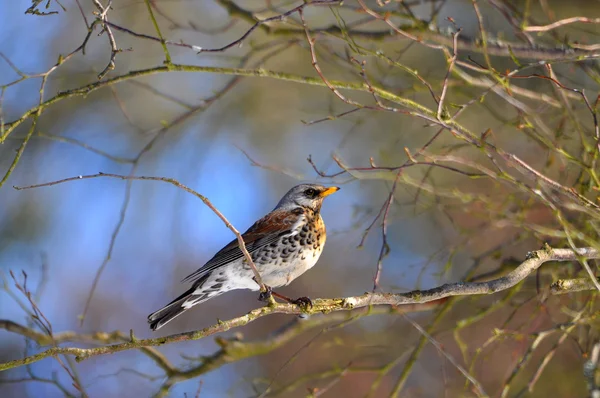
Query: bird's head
{"x": 307, "y": 196}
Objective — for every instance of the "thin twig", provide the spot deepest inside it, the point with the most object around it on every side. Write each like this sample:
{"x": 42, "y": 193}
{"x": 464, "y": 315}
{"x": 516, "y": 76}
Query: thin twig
{"x": 280, "y": 17}
{"x": 451, "y": 62}
{"x": 450, "y": 358}
{"x": 560, "y": 23}
{"x": 176, "y": 183}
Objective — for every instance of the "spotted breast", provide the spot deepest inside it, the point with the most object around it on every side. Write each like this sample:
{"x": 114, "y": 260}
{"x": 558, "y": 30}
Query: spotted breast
{"x": 295, "y": 252}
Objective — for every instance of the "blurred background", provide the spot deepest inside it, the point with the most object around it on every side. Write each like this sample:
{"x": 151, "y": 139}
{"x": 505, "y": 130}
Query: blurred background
{"x": 243, "y": 142}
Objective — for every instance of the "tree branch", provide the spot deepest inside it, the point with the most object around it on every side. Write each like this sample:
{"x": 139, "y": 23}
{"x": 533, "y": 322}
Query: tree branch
{"x": 564, "y": 286}
{"x": 533, "y": 261}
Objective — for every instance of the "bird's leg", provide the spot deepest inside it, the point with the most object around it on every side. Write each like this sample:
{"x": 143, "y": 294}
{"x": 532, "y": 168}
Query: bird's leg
{"x": 282, "y": 297}
{"x": 267, "y": 295}
{"x": 302, "y": 302}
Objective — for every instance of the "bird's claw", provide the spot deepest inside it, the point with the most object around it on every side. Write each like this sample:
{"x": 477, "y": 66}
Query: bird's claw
{"x": 266, "y": 295}
{"x": 303, "y": 302}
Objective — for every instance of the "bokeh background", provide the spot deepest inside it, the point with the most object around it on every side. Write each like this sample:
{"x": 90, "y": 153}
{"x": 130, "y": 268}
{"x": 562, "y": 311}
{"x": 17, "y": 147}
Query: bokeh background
{"x": 243, "y": 152}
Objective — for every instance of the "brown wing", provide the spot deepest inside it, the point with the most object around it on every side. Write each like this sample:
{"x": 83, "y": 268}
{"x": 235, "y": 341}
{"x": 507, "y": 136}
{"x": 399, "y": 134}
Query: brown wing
{"x": 264, "y": 232}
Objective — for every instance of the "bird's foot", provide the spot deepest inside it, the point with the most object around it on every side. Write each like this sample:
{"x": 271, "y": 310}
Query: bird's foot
{"x": 267, "y": 295}
{"x": 303, "y": 302}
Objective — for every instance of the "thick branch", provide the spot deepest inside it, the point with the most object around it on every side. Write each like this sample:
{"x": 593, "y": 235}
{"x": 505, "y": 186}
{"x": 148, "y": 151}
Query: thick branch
{"x": 533, "y": 262}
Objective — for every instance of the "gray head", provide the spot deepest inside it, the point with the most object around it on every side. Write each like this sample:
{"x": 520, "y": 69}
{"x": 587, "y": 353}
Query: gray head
{"x": 306, "y": 195}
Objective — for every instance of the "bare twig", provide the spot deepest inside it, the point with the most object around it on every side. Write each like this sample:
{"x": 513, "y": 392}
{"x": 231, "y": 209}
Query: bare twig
{"x": 560, "y": 23}
{"x": 38, "y": 318}
{"x": 159, "y": 33}
{"x": 280, "y": 17}
{"x": 176, "y": 183}
{"x": 478, "y": 387}
{"x": 451, "y": 62}
{"x": 385, "y": 247}
{"x": 114, "y": 50}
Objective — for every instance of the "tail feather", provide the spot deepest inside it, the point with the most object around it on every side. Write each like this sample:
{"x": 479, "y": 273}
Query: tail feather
{"x": 178, "y": 306}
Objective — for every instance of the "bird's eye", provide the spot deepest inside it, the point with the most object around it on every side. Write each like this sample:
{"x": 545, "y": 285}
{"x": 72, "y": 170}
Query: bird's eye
{"x": 311, "y": 193}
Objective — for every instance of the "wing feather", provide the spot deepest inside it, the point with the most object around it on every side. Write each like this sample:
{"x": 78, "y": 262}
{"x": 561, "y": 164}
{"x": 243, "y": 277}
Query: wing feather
{"x": 262, "y": 233}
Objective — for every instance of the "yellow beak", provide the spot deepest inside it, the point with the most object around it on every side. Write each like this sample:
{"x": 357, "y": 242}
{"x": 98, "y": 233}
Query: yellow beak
{"x": 329, "y": 191}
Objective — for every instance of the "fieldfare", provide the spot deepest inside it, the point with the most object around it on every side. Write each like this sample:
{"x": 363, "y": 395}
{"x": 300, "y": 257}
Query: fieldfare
{"x": 283, "y": 244}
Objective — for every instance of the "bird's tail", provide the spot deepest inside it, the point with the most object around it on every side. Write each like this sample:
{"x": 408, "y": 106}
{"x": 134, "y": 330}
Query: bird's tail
{"x": 195, "y": 295}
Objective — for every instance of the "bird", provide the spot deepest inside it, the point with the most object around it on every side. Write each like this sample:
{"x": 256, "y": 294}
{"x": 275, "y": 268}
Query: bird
{"x": 283, "y": 245}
